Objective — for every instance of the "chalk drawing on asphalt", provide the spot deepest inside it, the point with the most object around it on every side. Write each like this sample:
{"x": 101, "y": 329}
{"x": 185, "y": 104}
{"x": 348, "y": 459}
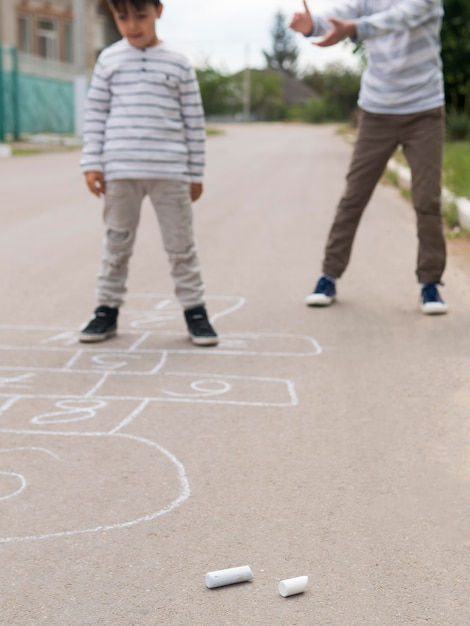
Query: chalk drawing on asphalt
{"x": 64, "y": 405}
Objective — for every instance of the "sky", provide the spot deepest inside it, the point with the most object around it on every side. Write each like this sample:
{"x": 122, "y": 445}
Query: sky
{"x": 228, "y": 35}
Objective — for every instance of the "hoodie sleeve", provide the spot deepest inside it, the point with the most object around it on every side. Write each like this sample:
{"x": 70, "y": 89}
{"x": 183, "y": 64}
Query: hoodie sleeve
{"x": 404, "y": 15}
{"x": 350, "y": 10}
{"x": 192, "y": 113}
{"x": 97, "y": 107}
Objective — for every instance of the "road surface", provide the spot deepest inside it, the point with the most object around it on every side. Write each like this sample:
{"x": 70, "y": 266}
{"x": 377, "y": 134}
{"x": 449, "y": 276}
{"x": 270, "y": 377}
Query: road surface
{"x": 329, "y": 443}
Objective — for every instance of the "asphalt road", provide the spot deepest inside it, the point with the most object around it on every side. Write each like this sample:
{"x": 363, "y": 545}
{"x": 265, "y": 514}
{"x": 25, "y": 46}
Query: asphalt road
{"x": 329, "y": 443}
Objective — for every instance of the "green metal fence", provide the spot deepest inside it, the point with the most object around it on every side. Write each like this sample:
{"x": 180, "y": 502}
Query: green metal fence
{"x": 36, "y": 96}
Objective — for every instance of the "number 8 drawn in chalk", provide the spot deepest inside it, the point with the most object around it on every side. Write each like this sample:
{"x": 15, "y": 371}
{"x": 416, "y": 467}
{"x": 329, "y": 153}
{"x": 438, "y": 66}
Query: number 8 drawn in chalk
{"x": 71, "y": 411}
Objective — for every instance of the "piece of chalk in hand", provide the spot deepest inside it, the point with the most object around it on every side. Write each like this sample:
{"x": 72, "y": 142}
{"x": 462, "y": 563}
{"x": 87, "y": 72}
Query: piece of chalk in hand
{"x": 292, "y": 586}
{"x": 223, "y": 577}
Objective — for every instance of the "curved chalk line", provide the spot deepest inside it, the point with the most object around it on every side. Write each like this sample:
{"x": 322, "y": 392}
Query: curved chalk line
{"x": 18, "y": 491}
{"x": 184, "y": 494}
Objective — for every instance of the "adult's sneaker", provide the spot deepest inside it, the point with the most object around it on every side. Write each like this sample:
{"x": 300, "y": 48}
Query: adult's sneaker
{"x": 323, "y": 294}
{"x": 102, "y": 326}
{"x": 199, "y": 327}
{"x": 431, "y": 300}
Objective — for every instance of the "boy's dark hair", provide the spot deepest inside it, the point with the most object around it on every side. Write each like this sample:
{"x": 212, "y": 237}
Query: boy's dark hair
{"x": 120, "y": 5}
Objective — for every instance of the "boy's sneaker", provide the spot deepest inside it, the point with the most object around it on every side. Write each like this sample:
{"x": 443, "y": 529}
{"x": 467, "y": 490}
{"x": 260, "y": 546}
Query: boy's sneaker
{"x": 200, "y": 329}
{"x": 431, "y": 300}
{"x": 323, "y": 294}
{"x": 102, "y": 326}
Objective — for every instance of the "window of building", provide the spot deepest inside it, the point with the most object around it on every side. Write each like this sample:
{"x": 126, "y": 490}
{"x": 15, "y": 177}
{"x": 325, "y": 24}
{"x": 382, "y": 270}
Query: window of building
{"x": 25, "y": 37}
{"x": 47, "y": 39}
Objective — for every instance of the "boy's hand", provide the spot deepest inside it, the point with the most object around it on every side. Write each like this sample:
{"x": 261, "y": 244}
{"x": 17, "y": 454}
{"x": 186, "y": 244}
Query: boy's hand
{"x": 340, "y": 29}
{"x": 302, "y": 22}
{"x": 95, "y": 183}
{"x": 196, "y": 191}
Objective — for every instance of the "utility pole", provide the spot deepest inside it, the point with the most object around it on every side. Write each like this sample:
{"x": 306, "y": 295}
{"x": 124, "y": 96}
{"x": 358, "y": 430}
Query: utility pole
{"x": 79, "y": 59}
{"x": 246, "y": 85}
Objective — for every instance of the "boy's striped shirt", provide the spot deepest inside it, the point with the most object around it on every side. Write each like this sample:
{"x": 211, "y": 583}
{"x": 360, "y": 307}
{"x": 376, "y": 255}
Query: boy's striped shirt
{"x": 402, "y": 38}
{"x": 144, "y": 116}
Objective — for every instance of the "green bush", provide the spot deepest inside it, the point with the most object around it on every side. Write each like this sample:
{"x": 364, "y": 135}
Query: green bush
{"x": 337, "y": 87}
{"x": 458, "y": 126}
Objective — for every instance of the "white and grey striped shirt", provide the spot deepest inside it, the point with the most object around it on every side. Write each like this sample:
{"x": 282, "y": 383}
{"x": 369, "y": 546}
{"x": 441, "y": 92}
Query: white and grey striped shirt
{"x": 402, "y": 39}
{"x": 144, "y": 116}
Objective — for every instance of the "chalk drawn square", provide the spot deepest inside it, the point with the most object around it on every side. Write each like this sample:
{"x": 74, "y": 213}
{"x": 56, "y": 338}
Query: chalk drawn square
{"x": 39, "y": 383}
{"x": 247, "y": 344}
{"x": 35, "y": 358}
{"x": 65, "y": 413}
{"x": 201, "y": 388}
{"x": 121, "y": 362}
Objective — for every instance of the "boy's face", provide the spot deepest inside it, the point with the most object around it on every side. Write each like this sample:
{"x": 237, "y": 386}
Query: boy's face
{"x": 138, "y": 25}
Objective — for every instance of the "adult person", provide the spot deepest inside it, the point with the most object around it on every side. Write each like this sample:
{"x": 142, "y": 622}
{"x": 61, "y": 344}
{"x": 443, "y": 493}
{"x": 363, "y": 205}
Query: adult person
{"x": 401, "y": 102}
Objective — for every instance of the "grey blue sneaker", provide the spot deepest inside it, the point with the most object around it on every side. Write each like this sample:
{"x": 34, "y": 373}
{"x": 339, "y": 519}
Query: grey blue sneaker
{"x": 102, "y": 326}
{"x": 431, "y": 300}
{"x": 323, "y": 294}
{"x": 199, "y": 327}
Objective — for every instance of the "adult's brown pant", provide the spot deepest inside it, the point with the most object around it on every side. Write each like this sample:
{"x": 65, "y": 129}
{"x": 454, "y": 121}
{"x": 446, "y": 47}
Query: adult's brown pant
{"x": 421, "y": 136}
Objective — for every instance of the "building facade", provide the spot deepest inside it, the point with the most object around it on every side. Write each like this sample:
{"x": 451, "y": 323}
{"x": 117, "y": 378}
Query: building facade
{"x": 38, "y": 63}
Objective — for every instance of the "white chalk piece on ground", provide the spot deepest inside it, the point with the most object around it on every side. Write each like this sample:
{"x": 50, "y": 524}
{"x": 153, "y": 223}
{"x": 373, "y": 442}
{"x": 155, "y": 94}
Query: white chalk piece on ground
{"x": 230, "y": 576}
{"x": 292, "y": 586}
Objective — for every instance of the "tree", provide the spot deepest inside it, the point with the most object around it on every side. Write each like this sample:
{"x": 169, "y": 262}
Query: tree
{"x": 267, "y": 102}
{"x": 219, "y": 92}
{"x": 338, "y": 87}
{"x": 455, "y": 36}
{"x": 284, "y": 52}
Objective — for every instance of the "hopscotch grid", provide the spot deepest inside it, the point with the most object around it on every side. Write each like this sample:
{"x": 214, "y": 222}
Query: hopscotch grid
{"x": 236, "y": 340}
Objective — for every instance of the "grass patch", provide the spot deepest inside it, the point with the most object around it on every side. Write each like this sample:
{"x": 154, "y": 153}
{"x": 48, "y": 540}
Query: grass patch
{"x": 457, "y": 168}
{"x": 451, "y": 216}
{"x": 24, "y": 151}
{"x": 211, "y": 131}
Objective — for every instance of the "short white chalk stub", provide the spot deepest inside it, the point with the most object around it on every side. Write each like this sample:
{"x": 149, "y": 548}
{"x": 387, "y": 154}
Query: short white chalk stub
{"x": 230, "y": 576}
{"x": 293, "y": 586}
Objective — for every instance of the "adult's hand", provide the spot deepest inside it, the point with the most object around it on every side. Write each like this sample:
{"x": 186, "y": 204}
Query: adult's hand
{"x": 340, "y": 29}
{"x": 302, "y": 22}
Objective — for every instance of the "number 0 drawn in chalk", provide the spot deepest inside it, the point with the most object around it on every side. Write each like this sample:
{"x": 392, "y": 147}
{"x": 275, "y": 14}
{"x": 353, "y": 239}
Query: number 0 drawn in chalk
{"x": 203, "y": 389}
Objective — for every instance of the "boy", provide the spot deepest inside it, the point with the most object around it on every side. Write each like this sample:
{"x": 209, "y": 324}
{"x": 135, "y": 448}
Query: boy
{"x": 144, "y": 134}
{"x": 401, "y": 103}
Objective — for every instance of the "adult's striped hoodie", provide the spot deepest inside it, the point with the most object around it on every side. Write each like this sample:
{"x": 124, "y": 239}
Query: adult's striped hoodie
{"x": 402, "y": 40}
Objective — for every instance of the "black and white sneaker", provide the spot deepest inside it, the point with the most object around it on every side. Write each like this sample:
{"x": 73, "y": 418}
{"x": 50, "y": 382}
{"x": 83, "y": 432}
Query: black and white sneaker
{"x": 323, "y": 294}
{"x": 102, "y": 326}
{"x": 199, "y": 327}
{"x": 431, "y": 300}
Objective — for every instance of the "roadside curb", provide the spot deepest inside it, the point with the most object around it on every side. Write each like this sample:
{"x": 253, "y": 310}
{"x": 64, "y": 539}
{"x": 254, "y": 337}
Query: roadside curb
{"x": 403, "y": 175}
